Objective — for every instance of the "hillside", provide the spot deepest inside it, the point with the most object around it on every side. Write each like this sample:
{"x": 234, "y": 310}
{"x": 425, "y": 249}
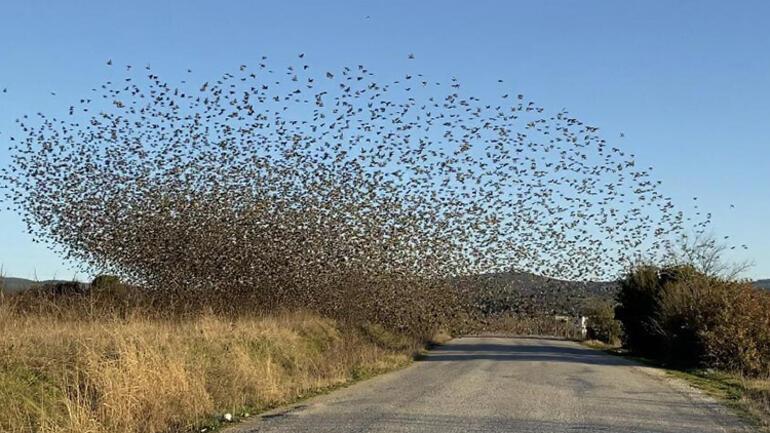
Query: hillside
{"x": 526, "y": 293}
{"x": 14, "y": 285}
{"x": 504, "y": 292}
{"x": 521, "y": 292}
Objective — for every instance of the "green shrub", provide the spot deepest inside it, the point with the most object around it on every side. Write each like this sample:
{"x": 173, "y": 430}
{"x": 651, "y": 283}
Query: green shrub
{"x": 686, "y": 318}
{"x": 739, "y": 337}
{"x": 638, "y": 305}
{"x": 105, "y": 283}
{"x": 602, "y": 324}
{"x": 685, "y": 309}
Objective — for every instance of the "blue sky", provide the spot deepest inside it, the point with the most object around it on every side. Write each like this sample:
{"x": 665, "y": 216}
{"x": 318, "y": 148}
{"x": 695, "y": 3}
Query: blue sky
{"x": 687, "y": 82}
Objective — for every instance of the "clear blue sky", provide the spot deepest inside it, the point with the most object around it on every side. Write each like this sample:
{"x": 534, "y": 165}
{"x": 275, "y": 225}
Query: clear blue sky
{"x": 687, "y": 82}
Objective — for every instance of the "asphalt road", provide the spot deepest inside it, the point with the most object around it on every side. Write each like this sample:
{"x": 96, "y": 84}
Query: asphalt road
{"x": 484, "y": 384}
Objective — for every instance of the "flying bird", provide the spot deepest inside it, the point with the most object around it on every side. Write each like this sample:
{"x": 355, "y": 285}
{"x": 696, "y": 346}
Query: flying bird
{"x": 287, "y": 182}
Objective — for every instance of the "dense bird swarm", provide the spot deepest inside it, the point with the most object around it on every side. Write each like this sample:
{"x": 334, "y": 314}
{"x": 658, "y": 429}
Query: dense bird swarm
{"x": 291, "y": 179}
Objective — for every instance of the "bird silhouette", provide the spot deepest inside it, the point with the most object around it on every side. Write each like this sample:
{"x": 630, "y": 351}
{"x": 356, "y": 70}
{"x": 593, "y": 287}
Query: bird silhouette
{"x": 280, "y": 182}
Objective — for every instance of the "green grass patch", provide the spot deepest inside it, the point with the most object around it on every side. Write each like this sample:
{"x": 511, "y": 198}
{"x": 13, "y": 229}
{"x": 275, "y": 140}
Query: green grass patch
{"x": 722, "y": 386}
{"x": 748, "y": 398}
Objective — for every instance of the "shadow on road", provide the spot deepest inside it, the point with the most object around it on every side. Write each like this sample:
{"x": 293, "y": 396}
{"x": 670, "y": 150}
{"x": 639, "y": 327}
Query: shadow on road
{"x": 521, "y": 352}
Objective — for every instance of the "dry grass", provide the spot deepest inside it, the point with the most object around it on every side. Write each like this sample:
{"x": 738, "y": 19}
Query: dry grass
{"x": 136, "y": 374}
{"x": 756, "y": 398}
{"x": 601, "y": 345}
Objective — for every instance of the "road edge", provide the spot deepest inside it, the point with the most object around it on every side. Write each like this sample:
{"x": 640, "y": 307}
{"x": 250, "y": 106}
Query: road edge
{"x": 684, "y": 383}
{"x": 243, "y": 424}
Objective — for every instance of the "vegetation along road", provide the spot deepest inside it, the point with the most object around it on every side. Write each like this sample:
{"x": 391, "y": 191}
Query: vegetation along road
{"x": 483, "y": 384}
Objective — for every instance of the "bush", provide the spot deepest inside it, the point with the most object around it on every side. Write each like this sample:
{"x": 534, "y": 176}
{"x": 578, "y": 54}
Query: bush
{"x": 686, "y": 308}
{"x": 739, "y": 337}
{"x": 638, "y": 305}
{"x": 64, "y": 288}
{"x": 602, "y": 324}
{"x": 105, "y": 283}
{"x": 686, "y": 318}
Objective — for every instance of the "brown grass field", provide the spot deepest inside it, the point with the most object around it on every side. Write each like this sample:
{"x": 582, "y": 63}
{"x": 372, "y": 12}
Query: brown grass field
{"x": 124, "y": 362}
{"x": 59, "y": 373}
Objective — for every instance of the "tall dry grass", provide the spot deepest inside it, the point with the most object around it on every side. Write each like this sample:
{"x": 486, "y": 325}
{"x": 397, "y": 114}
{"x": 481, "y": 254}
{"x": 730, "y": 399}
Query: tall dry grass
{"x": 756, "y": 397}
{"x": 134, "y": 373}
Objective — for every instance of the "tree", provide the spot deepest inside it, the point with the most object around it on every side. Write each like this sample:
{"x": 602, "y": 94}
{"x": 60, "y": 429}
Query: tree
{"x": 706, "y": 254}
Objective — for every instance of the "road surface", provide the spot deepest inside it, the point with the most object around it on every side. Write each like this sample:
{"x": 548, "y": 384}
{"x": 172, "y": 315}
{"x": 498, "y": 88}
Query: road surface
{"x": 481, "y": 384}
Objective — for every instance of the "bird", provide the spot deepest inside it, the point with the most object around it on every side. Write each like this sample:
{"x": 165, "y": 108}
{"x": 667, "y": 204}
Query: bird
{"x": 285, "y": 184}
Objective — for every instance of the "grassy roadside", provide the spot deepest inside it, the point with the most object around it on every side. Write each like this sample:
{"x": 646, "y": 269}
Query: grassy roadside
{"x": 749, "y": 398}
{"x": 146, "y": 375}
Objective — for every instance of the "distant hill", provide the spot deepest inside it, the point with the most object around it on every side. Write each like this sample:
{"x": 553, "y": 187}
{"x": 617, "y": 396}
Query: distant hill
{"x": 504, "y": 292}
{"x": 15, "y": 285}
{"x": 523, "y": 293}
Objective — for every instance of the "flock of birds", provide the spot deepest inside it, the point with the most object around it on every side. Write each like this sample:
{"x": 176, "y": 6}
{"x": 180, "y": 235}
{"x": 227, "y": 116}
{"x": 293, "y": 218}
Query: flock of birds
{"x": 289, "y": 178}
